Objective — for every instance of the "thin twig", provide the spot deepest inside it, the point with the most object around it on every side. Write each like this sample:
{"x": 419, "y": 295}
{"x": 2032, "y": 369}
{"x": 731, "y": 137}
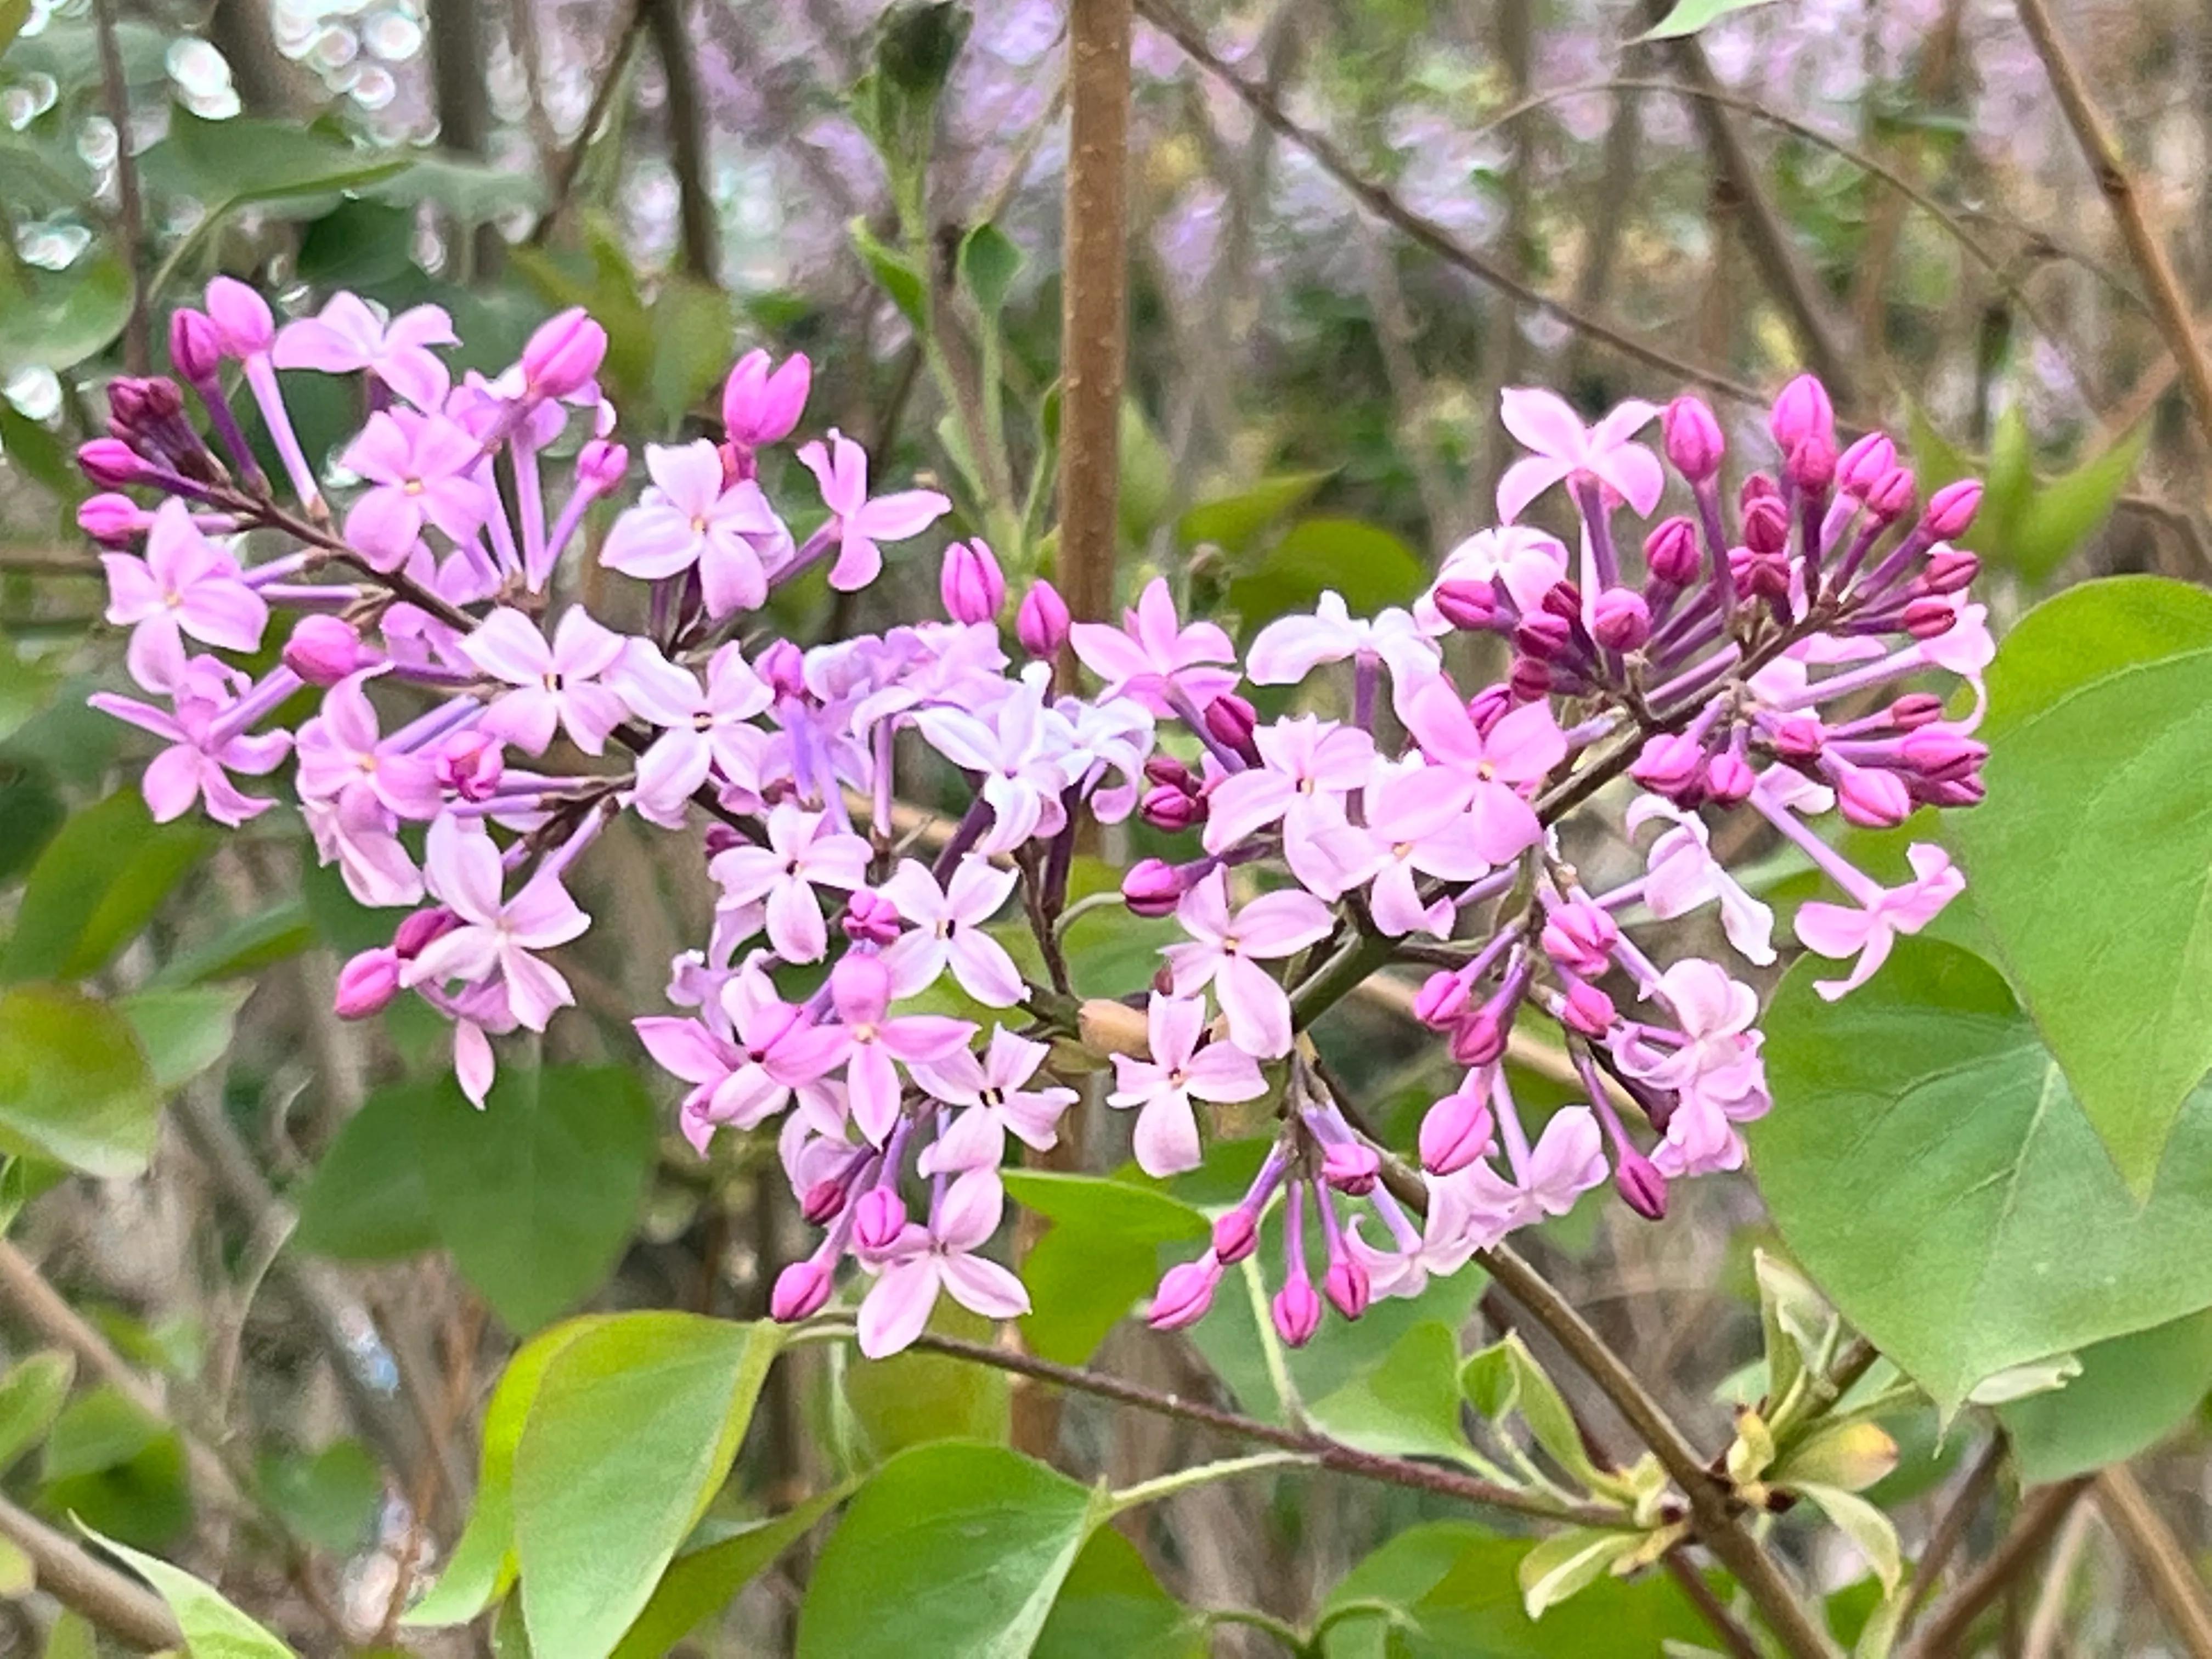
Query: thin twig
{"x": 2046, "y": 1623}
{"x": 2174, "y": 1584}
{"x": 1734, "y": 1637}
{"x": 1950, "y": 1528}
{"x": 570, "y": 166}
{"x": 2040, "y": 1517}
{"x": 83, "y": 1583}
{"x": 687, "y": 136}
{"x": 131, "y": 217}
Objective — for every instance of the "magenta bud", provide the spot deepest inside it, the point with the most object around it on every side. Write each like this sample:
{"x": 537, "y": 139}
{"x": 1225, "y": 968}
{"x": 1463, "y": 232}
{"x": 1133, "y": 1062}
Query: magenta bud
{"x": 1351, "y": 1167}
{"x": 1467, "y": 601}
{"x": 1296, "y": 1311}
{"x": 1812, "y": 466}
{"x": 1174, "y": 773}
{"x": 1944, "y": 757}
{"x": 323, "y": 650}
{"x": 1580, "y": 936}
{"x": 878, "y": 1218}
{"x": 1640, "y": 1185}
{"x": 1668, "y": 762}
{"x": 762, "y": 407}
{"x": 1757, "y": 487}
{"x": 195, "y": 347}
{"x": 1798, "y": 738}
{"x": 1542, "y": 635}
{"x": 113, "y": 520}
{"x": 367, "y": 984}
{"x": 111, "y": 463}
{"x": 1893, "y": 495}
{"x": 471, "y": 764}
{"x": 243, "y": 325}
{"x": 1949, "y": 570}
{"x": 1479, "y": 1039}
{"x": 721, "y": 838}
{"x": 1872, "y": 799}
{"x": 1916, "y": 709}
{"x": 1957, "y": 791}
{"x": 1185, "y": 1292}
{"x": 1153, "y": 887}
{"x": 1587, "y": 1010}
{"x": 1864, "y": 465}
{"x": 418, "y": 928}
{"x": 1729, "y": 778}
{"x": 126, "y": 404}
{"x": 1929, "y": 617}
{"x": 1490, "y": 705}
{"x": 1530, "y": 681}
{"x": 1562, "y": 599}
{"x": 871, "y": 919}
{"x": 1693, "y": 438}
{"x": 970, "y": 583}
{"x": 601, "y": 466}
{"x": 1951, "y": 509}
{"x": 1455, "y": 1132}
{"x": 822, "y": 1202}
{"x": 801, "y": 1290}
{"x": 1346, "y": 1285}
{"x": 1042, "y": 622}
{"x": 1441, "y": 1000}
{"x": 563, "y": 354}
{"x": 1235, "y": 1235}
{"x": 1766, "y": 525}
{"x": 1802, "y": 412}
{"x": 1230, "y": 720}
{"x": 1620, "y": 619}
{"x": 1670, "y": 552}
{"x": 1171, "y": 810}
{"x": 1762, "y": 575}
{"x": 783, "y": 667}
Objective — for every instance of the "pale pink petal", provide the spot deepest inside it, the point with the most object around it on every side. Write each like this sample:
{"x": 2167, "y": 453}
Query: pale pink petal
{"x": 896, "y": 1307}
{"x": 1543, "y": 421}
{"x": 507, "y": 645}
{"x": 984, "y": 969}
{"x": 1524, "y": 480}
{"x": 473, "y": 1062}
{"x": 874, "y": 1091}
{"x": 1174, "y": 1025}
{"x": 1258, "y": 1011}
{"x": 796, "y": 926}
{"x": 1165, "y": 1141}
{"x": 896, "y": 516}
{"x": 971, "y": 1211}
{"x": 1277, "y": 924}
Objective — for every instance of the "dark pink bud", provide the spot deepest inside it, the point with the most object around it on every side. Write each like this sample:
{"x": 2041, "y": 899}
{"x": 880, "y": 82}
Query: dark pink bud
{"x": 1864, "y": 465}
{"x": 878, "y": 1218}
{"x": 1929, "y": 617}
{"x": 1563, "y": 600}
{"x": 1479, "y": 1039}
{"x": 111, "y": 463}
{"x": 1235, "y": 1235}
{"x": 1152, "y": 887}
{"x": 367, "y": 984}
{"x": 472, "y": 763}
{"x": 802, "y": 1290}
{"x": 1762, "y": 575}
{"x": 1670, "y": 552}
{"x": 563, "y": 354}
{"x": 1916, "y": 709}
{"x": 1580, "y": 936}
{"x": 1351, "y": 1168}
{"x": 1729, "y": 778}
{"x": 1171, "y": 810}
{"x": 1872, "y": 799}
{"x": 1542, "y": 635}
{"x": 1465, "y": 602}
{"x": 1948, "y": 570}
{"x": 871, "y": 919}
{"x": 113, "y": 520}
{"x": 418, "y": 928}
{"x": 1757, "y": 487}
{"x": 323, "y": 650}
{"x": 1812, "y": 466}
{"x": 783, "y": 667}
{"x": 1455, "y": 1131}
{"x": 1042, "y": 622}
{"x": 243, "y": 325}
{"x": 1346, "y": 1287}
{"x": 1944, "y": 757}
{"x": 1957, "y": 791}
{"x": 970, "y": 583}
{"x": 1441, "y": 1000}
{"x": 1669, "y": 762}
{"x": 601, "y": 466}
{"x": 1766, "y": 525}
{"x": 1951, "y": 509}
{"x": 760, "y": 407}
{"x": 1893, "y": 495}
{"x": 1231, "y": 720}
{"x": 1530, "y": 681}
{"x": 1639, "y": 1183}
{"x": 1693, "y": 438}
{"x": 1296, "y": 1311}
{"x": 126, "y": 404}
{"x": 1589, "y": 1010}
{"x": 721, "y": 838}
{"x": 195, "y": 348}
{"x": 1167, "y": 770}
{"x": 822, "y": 1202}
{"x": 1801, "y": 411}
{"x": 1799, "y": 739}
{"x": 1490, "y": 705}
{"x": 1185, "y": 1292}
{"x": 1620, "y": 619}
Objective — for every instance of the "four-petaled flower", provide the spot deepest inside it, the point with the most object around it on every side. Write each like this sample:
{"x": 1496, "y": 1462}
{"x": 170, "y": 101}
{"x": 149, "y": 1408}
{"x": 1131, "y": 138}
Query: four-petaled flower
{"x": 1494, "y": 767}
{"x": 993, "y": 1100}
{"x": 867, "y": 1039}
{"x": 349, "y": 339}
{"x": 1177, "y": 1073}
{"x": 841, "y": 467}
{"x": 803, "y": 853}
{"x": 700, "y": 729}
{"x": 495, "y": 934}
{"x": 1225, "y": 952}
{"x": 1837, "y": 930}
{"x": 690, "y": 518}
{"x": 421, "y": 468}
{"x": 186, "y": 585}
{"x": 924, "y": 1260}
{"x": 1565, "y": 449}
{"x": 1291, "y": 647}
{"x": 1153, "y": 658}
{"x": 947, "y": 930}
{"x": 555, "y": 685}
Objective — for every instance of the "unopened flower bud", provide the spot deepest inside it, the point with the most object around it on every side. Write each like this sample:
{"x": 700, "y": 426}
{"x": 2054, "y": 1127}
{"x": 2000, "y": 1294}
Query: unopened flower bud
{"x": 871, "y": 919}
{"x": 1589, "y": 1010}
{"x": 1562, "y": 599}
{"x": 367, "y": 984}
{"x": 1455, "y": 1132}
{"x": 721, "y": 838}
{"x": 1467, "y": 601}
{"x": 783, "y": 667}
{"x": 1171, "y": 810}
{"x": 1479, "y": 1039}
{"x": 822, "y": 1202}
{"x": 1951, "y": 509}
{"x": 1729, "y": 778}
{"x": 1185, "y": 1292}
{"x": 1230, "y": 720}
{"x": 1872, "y": 799}
{"x": 1693, "y": 438}
{"x": 1669, "y": 762}
{"x": 1798, "y": 738}
{"x": 970, "y": 583}
{"x": 1929, "y": 617}
{"x": 111, "y": 463}
{"x": 802, "y": 1290}
{"x": 1530, "y": 681}
{"x": 760, "y": 407}
{"x": 1441, "y": 1000}
{"x": 1944, "y": 757}
{"x": 1153, "y": 887}
{"x": 1916, "y": 709}
{"x": 1640, "y": 1185}
{"x": 1892, "y": 497}
{"x": 1670, "y": 552}
{"x": 1042, "y": 622}
{"x": 1490, "y": 705}
{"x": 113, "y": 520}
{"x": 1949, "y": 570}
{"x": 1812, "y": 466}
{"x": 1235, "y": 1235}
{"x": 1296, "y": 1312}
{"x": 195, "y": 347}
{"x": 1761, "y": 576}
{"x": 1346, "y": 1286}
{"x": 243, "y": 325}
{"x": 323, "y": 650}
{"x": 1174, "y": 773}
{"x": 1353, "y": 1169}
{"x": 563, "y": 354}
{"x": 471, "y": 764}
{"x": 1801, "y": 411}
{"x": 1766, "y": 525}
{"x": 601, "y": 466}
{"x": 1543, "y": 635}
{"x": 418, "y": 929}
{"x": 1864, "y": 465}
{"x": 1580, "y": 936}
{"x": 878, "y": 1218}
{"x": 1756, "y": 488}
{"x": 125, "y": 405}
{"x": 1954, "y": 791}
{"x": 1621, "y": 619}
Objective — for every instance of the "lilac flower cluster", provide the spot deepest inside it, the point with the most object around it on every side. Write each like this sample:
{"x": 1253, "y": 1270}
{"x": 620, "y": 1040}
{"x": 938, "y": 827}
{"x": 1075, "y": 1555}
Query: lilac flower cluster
{"x": 474, "y": 726}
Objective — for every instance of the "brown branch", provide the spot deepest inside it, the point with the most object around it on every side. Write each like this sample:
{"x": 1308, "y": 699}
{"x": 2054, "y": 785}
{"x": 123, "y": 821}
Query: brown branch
{"x": 2169, "y": 307}
{"x": 1734, "y": 1637}
{"x": 2040, "y": 1518}
{"x": 1950, "y": 1529}
{"x": 2174, "y": 1582}
{"x": 130, "y": 214}
{"x": 81, "y": 1582}
{"x": 562, "y": 183}
{"x": 687, "y": 136}
{"x": 1094, "y": 308}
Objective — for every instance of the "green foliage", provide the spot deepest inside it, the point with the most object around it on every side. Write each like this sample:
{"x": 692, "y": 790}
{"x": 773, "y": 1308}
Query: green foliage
{"x": 183, "y": 1032}
{"x": 1370, "y": 567}
{"x": 633, "y": 1427}
{"x": 242, "y": 161}
{"x": 213, "y": 1628}
{"x": 1928, "y": 1166}
{"x": 74, "y": 1086}
{"x": 329, "y": 1498}
{"x": 52, "y": 319}
{"x": 2024, "y": 525}
{"x": 970, "y": 1544}
{"x": 1688, "y": 16}
{"x": 1110, "y": 1603}
{"x": 113, "y": 1466}
{"x": 717, "y": 1563}
{"x": 96, "y": 886}
{"x": 1235, "y": 523}
{"x": 2132, "y": 1392}
{"x": 1408, "y": 1406}
{"x": 911, "y": 1398}
{"x": 2091, "y": 870}
{"x": 367, "y": 1200}
{"x": 31, "y": 1396}
{"x": 1101, "y": 1257}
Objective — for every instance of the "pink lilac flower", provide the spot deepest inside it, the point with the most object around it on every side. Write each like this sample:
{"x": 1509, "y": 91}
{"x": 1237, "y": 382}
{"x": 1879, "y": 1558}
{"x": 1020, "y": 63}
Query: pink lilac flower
{"x": 941, "y": 1257}
{"x": 1682, "y": 874}
{"x": 1566, "y": 449}
{"x": 497, "y": 934}
{"x": 1422, "y": 827}
{"x": 556, "y": 686}
{"x": 741, "y": 1074}
{"x": 1307, "y": 766}
{"x": 1291, "y": 647}
{"x": 1225, "y": 952}
{"x": 348, "y": 337}
{"x": 1868, "y": 931}
{"x": 206, "y": 741}
{"x": 1567, "y": 1161}
{"x": 692, "y": 518}
{"x": 421, "y": 468}
{"x": 1523, "y": 562}
{"x": 1020, "y": 747}
{"x": 947, "y": 932}
{"x": 344, "y": 748}
{"x": 701, "y": 728}
{"x": 1153, "y": 658}
{"x": 184, "y": 585}
{"x": 1494, "y": 767}
{"x": 803, "y": 852}
{"x": 868, "y": 1038}
{"x": 1162, "y": 1087}
{"x": 993, "y": 1099}
{"x": 760, "y": 405}
{"x": 841, "y": 467}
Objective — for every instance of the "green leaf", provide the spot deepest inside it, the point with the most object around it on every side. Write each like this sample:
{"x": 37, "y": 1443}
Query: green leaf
{"x": 895, "y": 273}
{"x": 2063, "y": 513}
{"x": 482, "y": 1566}
{"x": 57, "y": 319}
{"x": 1407, "y": 1407}
{"x": 2087, "y": 633}
{"x": 109, "y": 1463}
{"x": 1101, "y": 1257}
{"x": 71, "y": 1638}
{"x": 911, "y": 1397}
{"x": 329, "y": 1498}
{"x": 1234, "y": 523}
{"x": 536, "y": 1193}
{"x": 1111, "y": 1604}
{"x": 1867, "y": 1527}
{"x": 1569, "y": 1560}
{"x": 1148, "y": 476}
{"x": 13, "y": 14}
{"x": 948, "y": 1548}
{"x": 635, "y": 1426}
{"x": 473, "y": 192}
{"x": 74, "y": 1086}
{"x": 988, "y": 263}
{"x": 31, "y": 1396}
{"x": 1927, "y": 1166}
{"x": 693, "y": 327}
{"x": 367, "y": 1200}
{"x": 183, "y": 1032}
{"x": 1543, "y": 1409}
{"x": 242, "y": 160}
{"x": 37, "y": 454}
{"x": 213, "y": 1628}
{"x": 274, "y": 935}
{"x": 26, "y": 686}
{"x": 97, "y": 884}
{"x": 2093, "y": 871}
{"x": 1456, "y": 1590}
{"x": 2132, "y": 1391}
{"x": 1689, "y": 16}
{"x": 1368, "y": 566}
{"x": 704, "y": 1579}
